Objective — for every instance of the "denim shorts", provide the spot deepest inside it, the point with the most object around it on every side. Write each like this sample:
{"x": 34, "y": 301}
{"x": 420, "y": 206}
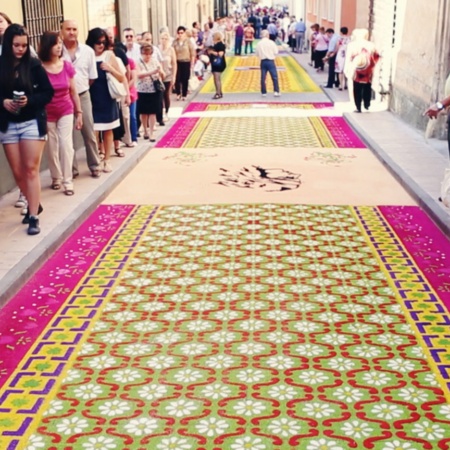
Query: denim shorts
{"x": 19, "y": 131}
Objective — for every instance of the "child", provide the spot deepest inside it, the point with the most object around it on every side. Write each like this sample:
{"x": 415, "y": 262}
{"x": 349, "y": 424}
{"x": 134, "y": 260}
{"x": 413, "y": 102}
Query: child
{"x": 200, "y": 66}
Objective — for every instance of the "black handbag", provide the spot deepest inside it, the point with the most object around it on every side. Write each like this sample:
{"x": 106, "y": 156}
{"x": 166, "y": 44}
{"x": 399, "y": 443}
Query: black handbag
{"x": 159, "y": 86}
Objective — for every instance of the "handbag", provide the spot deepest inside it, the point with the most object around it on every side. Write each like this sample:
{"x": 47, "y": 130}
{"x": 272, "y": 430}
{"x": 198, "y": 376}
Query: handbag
{"x": 116, "y": 89}
{"x": 158, "y": 85}
{"x": 193, "y": 83}
{"x": 217, "y": 62}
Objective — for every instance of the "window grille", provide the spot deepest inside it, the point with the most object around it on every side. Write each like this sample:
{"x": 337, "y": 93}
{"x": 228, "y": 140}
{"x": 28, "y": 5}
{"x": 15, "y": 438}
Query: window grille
{"x": 40, "y": 16}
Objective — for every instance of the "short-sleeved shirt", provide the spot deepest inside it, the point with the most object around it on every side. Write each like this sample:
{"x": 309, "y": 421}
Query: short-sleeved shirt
{"x": 61, "y": 103}
{"x": 85, "y": 65}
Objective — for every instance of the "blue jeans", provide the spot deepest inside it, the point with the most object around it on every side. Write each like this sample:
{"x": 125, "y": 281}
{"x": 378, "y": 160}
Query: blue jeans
{"x": 268, "y": 65}
{"x": 133, "y": 122}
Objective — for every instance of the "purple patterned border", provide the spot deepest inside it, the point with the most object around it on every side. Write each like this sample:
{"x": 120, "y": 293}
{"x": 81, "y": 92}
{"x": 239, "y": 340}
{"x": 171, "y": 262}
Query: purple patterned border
{"x": 27, "y": 314}
{"x": 426, "y": 244}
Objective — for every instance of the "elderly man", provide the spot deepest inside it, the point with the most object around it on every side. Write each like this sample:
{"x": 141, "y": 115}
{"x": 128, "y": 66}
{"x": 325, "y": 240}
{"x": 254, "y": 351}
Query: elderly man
{"x": 83, "y": 59}
{"x": 266, "y": 51}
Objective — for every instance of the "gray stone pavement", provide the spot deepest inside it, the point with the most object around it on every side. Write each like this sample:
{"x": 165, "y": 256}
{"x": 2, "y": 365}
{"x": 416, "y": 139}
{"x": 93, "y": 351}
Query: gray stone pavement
{"x": 418, "y": 164}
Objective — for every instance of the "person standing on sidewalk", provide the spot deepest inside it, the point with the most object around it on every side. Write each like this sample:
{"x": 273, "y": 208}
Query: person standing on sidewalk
{"x": 330, "y": 57}
{"x": 266, "y": 51}
{"x": 300, "y": 29}
{"x": 83, "y": 59}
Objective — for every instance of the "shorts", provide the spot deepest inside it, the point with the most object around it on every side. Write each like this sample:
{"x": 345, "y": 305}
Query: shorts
{"x": 20, "y": 131}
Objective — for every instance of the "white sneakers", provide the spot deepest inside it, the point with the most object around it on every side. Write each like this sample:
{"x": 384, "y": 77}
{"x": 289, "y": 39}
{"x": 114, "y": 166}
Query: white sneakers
{"x": 276, "y": 94}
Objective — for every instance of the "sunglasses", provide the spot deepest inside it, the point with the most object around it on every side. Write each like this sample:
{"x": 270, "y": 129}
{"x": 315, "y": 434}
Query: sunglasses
{"x": 180, "y": 32}
{"x": 129, "y": 36}
{"x": 100, "y": 43}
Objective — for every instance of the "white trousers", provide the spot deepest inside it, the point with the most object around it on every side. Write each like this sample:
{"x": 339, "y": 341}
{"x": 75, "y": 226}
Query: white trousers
{"x": 60, "y": 150}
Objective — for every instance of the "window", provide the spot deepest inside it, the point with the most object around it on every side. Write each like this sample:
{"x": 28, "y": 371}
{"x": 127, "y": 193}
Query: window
{"x": 40, "y": 16}
{"x": 331, "y": 10}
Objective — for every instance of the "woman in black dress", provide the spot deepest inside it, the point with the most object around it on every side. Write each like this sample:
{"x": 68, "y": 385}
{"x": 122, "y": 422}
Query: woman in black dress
{"x": 218, "y": 63}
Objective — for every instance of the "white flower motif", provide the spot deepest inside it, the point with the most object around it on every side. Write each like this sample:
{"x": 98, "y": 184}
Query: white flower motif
{"x": 418, "y": 352}
{"x": 114, "y": 337}
{"x": 374, "y": 378}
{"x": 325, "y": 298}
{"x": 277, "y": 296}
{"x": 88, "y": 391}
{"x": 279, "y": 316}
{"x": 318, "y": 410}
{"x": 341, "y": 364}
{"x": 320, "y": 281}
{"x": 190, "y": 267}
{"x": 124, "y": 316}
{"x": 141, "y": 426}
{"x": 248, "y": 443}
{"x": 212, "y": 260}
{"x": 282, "y": 392}
{"x": 309, "y": 350}
{"x": 251, "y": 348}
{"x": 276, "y": 281}
{"x": 390, "y": 339}
{"x": 54, "y": 407}
{"x": 220, "y": 361}
{"x": 206, "y": 288}
{"x": 141, "y": 282}
{"x": 304, "y": 326}
{"x": 428, "y": 430}
{"x": 212, "y": 426}
{"x": 133, "y": 298}
{"x": 249, "y": 407}
{"x": 313, "y": 377}
{"x": 353, "y": 308}
{"x": 181, "y": 297}
{"x": 174, "y": 316}
{"x": 216, "y": 391}
{"x": 230, "y": 280}
{"x": 253, "y": 305}
{"x": 100, "y": 326}
{"x": 372, "y": 299}
{"x": 366, "y": 351}
{"x": 280, "y": 362}
{"x": 226, "y": 315}
{"x": 253, "y": 287}
{"x": 188, "y": 375}
{"x": 71, "y": 426}
{"x": 430, "y": 378}
{"x": 138, "y": 349}
{"x": 398, "y": 445}
{"x": 192, "y": 349}
{"x": 253, "y": 259}
{"x": 284, "y": 427}
{"x": 356, "y": 429}
{"x": 180, "y": 408}
{"x": 228, "y": 296}
{"x": 275, "y": 265}
{"x": 152, "y": 391}
{"x": 323, "y": 444}
{"x": 360, "y": 328}
{"x": 161, "y": 289}
{"x": 413, "y": 395}
{"x": 334, "y": 338}
{"x": 198, "y": 325}
{"x": 223, "y": 337}
{"x": 386, "y": 411}
{"x": 295, "y": 260}
{"x": 126, "y": 375}
{"x": 102, "y": 362}
{"x": 145, "y": 326}
{"x": 159, "y": 362}
{"x": 444, "y": 411}
{"x": 114, "y": 408}
{"x": 87, "y": 349}
{"x": 72, "y": 375}
{"x": 300, "y": 288}
{"x": 202, "y": 305}
{"x": 251, "y": 325}
{"x": 171, "y": 261}
{"x": 100, "y": 442}
{"x": 185, "y": 281}
{"x": 120, "y": 290}
{"x": 168, "y": 337}
{"x": 279, "y": 337}
{"x": 347, "y": 290}
{"x": 250, "y": 375}
{"x": 348, "y": 394}
{"x": 302, "y": 306}
{"x": 111, "y": 307}
{"x": 35, "y": 442}
{"x": 380, "y": 318}
{"x": 401, "y": 365}
{"x": 166, "y": 274}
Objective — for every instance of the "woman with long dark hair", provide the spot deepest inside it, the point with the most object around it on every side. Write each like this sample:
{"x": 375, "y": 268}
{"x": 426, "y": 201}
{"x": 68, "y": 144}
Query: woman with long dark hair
{"x": 24, "y": 92}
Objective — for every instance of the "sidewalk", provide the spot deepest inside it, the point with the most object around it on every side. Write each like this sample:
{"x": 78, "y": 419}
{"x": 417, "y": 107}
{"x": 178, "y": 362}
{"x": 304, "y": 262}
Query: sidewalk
{"x": 418, "y": 165}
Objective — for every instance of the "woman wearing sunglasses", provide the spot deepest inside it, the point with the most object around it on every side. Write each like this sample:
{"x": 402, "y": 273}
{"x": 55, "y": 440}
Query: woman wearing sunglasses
{"x": 104, "y": 107}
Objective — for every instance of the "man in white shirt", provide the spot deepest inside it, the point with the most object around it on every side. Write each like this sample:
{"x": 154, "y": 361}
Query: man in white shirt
{"x": 83, "y": 59}
{"x": 133, "y": 48}
{"x": 266, "y": 51}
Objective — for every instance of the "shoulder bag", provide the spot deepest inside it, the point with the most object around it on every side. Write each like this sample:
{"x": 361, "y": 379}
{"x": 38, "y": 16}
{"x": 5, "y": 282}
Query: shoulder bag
{"x": 116, "y": 89}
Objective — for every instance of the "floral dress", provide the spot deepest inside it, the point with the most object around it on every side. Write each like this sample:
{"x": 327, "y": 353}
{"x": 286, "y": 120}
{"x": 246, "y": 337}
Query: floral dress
{"x": 340, "y": 57}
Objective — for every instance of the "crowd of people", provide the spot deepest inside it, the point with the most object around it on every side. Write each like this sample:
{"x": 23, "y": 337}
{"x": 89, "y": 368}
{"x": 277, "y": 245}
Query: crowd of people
{"x": 69, "y": 85}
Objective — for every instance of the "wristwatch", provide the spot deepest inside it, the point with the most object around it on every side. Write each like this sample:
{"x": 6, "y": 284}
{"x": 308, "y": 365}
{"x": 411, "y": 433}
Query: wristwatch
{"x": 439, "y": 106}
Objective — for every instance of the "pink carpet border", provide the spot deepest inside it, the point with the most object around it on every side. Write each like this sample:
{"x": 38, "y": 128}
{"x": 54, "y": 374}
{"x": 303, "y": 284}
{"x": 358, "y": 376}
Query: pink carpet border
{"x": 426, "y": 244}
{"x": 202, "y": 106}
{"x": 178, "y": 133}
{"x": 27, "y": 314}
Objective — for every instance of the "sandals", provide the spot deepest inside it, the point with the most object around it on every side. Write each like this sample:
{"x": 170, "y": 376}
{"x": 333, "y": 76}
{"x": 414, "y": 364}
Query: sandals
{"x": 69, "y": 192}
{"x": 119, "y": 152}
{"x": 56, "y": 185}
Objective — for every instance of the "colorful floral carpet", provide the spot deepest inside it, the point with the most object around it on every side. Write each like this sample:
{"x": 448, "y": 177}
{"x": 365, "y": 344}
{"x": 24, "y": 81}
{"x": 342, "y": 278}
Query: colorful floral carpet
{"x": 202, "y": 106}
{"x": 243, "y": 75}
{"x": 233, "y": 327}
{"x": 292, "y": 132}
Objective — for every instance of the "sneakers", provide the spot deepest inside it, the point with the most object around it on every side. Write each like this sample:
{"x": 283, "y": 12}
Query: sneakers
{"x": 33, "y": 226}
{"x": 263, "y": 95}
{"x": 276, "y": 94}
{"x": 26, "y": 219}
{"x": 21, "y": 201}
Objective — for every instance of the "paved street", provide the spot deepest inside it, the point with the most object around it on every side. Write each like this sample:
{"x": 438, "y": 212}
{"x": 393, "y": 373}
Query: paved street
{"x": 271, "y": 274}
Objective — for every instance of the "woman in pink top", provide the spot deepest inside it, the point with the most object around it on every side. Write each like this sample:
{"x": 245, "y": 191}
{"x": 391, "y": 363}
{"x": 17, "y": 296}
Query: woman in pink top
{"x": 320, "y": 49}
{"x": 60, "y": 112}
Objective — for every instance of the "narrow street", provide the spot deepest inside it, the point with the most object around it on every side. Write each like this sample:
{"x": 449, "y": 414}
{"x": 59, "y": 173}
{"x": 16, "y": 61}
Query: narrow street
{"x": 259, "y": 279}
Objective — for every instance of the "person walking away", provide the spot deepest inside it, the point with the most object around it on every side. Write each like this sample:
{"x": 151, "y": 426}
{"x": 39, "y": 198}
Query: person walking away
{"x": 104, "y": 107}
{"x": 360, "y": 63}
{"x": 273, "y": 30}
{"x": 340, "y": 58}
{"x": 218, "y": 63}
{"x": 300, "y": 29}
{"x": 238, "y": 38}
{"x": 266, "y": 51}
{"x": 83, "y": 59}
{"x": 249, "y": 37}
{"x": 24, "y": 91}
{"x": 185, "y": 54}
{"x": 330, "y": 57}
{"x": 60, "y": 112}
